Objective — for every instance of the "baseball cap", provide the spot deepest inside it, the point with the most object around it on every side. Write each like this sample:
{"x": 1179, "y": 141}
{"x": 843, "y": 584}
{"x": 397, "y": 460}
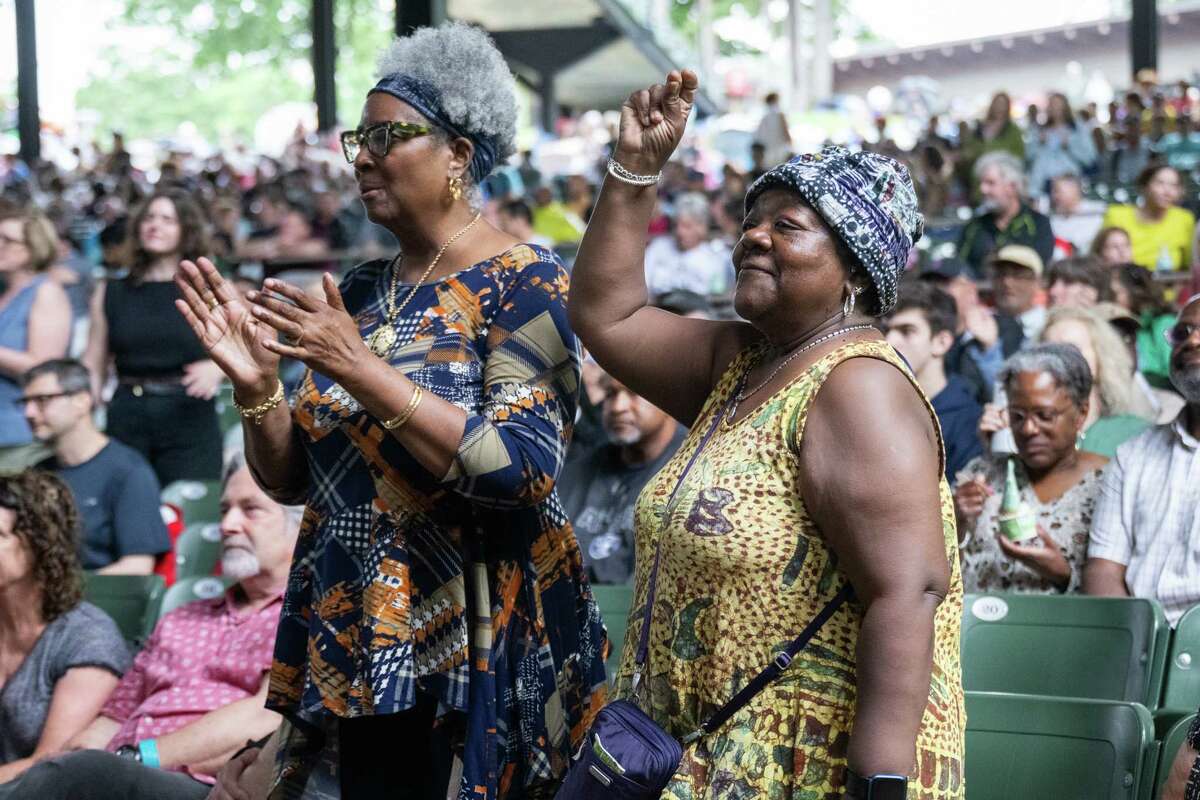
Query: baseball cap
{"x": 1019, "y": 254}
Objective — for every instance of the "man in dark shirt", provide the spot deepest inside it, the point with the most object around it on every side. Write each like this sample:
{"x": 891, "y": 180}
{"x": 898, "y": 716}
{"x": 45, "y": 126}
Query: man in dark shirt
{"x": 1006, "y": 219}
{"x": 922, "y": 329}
{"x": 599, "y": 486}
{"x": 114, "y": 488}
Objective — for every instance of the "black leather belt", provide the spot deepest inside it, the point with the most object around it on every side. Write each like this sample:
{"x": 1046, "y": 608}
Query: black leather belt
{"x": 159, "y": 385}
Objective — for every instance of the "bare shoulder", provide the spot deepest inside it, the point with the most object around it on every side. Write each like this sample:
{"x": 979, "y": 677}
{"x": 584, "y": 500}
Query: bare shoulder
{"x": 50, "y": 294}
{"x": 869, "y": 404}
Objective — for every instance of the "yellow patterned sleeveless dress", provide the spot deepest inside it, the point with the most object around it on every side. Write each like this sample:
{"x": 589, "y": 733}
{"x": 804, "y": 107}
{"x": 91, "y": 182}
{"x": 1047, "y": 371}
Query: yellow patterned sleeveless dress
{"x": 743, "y": 571}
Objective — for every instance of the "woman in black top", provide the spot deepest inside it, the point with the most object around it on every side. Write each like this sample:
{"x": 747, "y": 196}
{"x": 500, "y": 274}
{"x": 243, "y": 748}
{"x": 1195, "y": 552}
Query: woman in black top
{"x": 163, "y": 406}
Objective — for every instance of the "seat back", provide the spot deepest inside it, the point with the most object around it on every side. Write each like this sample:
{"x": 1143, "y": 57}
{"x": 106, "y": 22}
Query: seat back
{"x": 1055, "y": 747}
{"x": 1182, "y": 691}
{"x": 1170, "y": 748}
{"x": 197, "y": 551}
{"x": 200, "y": 501}
{"x": 132, "y": 601}
{"x": 614, "y": 602}
{"x": 1073, "y": 646}
{"x": 189, "y": 590}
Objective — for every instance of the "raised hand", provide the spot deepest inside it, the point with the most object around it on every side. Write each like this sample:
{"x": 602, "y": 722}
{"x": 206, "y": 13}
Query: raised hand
{"x": 652, "y": 122}
{"x": 222, "y": 322}
{"x": 320, "y": 333}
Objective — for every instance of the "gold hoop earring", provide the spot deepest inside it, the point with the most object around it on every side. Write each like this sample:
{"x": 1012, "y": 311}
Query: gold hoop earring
{"x": 456, "y": 188}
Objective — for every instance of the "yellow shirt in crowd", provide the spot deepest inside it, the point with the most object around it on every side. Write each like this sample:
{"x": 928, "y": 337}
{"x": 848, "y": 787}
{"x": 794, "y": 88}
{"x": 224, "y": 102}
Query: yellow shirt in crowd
{"x": 1174, "y": 232}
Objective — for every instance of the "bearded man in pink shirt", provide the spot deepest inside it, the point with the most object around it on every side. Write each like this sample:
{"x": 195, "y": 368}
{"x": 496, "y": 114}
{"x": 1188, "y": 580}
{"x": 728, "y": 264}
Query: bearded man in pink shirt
{"x": 195, "y": 694}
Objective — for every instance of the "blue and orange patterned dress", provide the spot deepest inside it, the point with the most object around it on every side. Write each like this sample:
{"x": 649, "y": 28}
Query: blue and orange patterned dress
{"x": 469, "y": 586}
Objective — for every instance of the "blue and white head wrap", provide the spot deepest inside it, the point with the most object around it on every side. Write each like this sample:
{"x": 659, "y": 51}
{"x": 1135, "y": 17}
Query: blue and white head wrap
{"x": 424, "y": 98}
{"x": 866, "y": 198}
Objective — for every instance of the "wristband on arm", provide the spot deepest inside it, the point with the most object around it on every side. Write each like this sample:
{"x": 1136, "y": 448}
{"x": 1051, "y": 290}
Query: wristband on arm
{"x": 148, "y": 748}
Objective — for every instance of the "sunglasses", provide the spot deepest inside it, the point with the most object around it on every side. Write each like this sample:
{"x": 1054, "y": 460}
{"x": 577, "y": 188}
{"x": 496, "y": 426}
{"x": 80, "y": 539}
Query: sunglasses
{"x": 378, "y": 138}
{"x": 1180, "y": 332}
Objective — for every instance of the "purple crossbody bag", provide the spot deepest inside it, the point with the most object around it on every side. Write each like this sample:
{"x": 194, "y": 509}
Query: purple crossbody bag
{"x": 625, "y": 754}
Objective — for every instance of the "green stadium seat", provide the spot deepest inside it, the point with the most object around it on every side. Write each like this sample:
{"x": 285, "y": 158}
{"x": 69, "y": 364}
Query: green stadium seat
{"x": 614, "y": 602}
{"x": 200, "y": 501}
{"x": 1170, "y": 747}
{"x": 1182, "y": 692}
{"x": 132, "y": 601}
{"x": 1092, "y": 647}
{"x": 197, "y": 551}
{"x": 191, "y": 589}
{"x": 1056, "y": 748}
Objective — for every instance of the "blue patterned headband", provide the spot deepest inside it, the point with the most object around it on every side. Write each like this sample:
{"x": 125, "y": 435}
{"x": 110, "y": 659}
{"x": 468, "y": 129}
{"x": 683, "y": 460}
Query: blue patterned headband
{"x": 868, "y": 199}
{"x": 425, "y": 99}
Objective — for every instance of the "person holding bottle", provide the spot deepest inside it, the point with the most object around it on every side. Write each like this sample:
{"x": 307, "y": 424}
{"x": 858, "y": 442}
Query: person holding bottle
{"x": 1049, "y": 389}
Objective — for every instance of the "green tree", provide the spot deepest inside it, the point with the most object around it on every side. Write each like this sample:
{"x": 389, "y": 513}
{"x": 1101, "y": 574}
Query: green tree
{"x": 235, "y": 60}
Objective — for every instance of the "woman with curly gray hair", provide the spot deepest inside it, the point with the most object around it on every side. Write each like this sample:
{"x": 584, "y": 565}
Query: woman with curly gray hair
{"x": 437, "y": 604}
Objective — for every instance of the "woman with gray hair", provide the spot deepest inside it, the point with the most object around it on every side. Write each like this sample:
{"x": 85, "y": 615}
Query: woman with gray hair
{"x": 437, "y": 604}
{"x": 1049, "y": 391}
{"x": 691, "y": 258}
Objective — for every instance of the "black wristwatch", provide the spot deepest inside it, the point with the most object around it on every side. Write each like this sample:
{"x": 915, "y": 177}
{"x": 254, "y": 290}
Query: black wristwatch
{"x": 876, "y": 787}
{"x": 130, "y": 752}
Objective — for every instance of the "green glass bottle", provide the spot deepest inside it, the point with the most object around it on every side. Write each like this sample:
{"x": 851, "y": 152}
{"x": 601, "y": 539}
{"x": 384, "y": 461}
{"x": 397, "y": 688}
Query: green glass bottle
{"x": 1017, "y": 520}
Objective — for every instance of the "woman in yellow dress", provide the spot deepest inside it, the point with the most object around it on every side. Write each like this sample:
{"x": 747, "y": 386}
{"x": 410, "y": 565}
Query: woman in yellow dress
{"x": 816, "y": 463}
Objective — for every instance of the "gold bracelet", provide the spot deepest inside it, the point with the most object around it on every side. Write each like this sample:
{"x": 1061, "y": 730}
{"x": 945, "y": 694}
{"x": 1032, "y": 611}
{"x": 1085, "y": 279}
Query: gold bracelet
{"x": 401, "y": 419}
{"x": 256, "y": 413}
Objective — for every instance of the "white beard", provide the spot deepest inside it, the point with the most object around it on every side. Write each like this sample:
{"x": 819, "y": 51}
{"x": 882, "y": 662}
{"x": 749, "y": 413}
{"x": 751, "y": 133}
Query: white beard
{"x": 239, "y": 563}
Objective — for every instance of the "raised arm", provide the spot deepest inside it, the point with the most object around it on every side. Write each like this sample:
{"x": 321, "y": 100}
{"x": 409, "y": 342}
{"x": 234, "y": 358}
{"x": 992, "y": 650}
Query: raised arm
{"x": 235, "y": 342}
{"x": 672, "y": 361}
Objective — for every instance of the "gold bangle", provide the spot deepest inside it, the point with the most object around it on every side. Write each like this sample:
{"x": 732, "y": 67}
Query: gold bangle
{"x": 401, "y": 419}
{"x": 256, "y": 413}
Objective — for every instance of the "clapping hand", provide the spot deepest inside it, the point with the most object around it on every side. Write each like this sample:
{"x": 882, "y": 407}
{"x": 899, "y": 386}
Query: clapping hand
{"x": 222, "y": 322}
{"x": 320, "y": 333}
{"x": 652, "y": 122}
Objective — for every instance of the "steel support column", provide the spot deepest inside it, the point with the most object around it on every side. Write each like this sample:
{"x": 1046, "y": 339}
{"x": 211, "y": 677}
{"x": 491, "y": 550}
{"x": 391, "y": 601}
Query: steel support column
{"x": 1143, "y": 35}
{"x": 413, "y": 14}
{"x": 29, "y": 124}
{"x": 324, "y": 62}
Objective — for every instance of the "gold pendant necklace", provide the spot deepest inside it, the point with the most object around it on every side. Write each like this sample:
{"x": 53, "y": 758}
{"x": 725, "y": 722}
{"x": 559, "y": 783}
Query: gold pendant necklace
{"x": 383, "y": 338}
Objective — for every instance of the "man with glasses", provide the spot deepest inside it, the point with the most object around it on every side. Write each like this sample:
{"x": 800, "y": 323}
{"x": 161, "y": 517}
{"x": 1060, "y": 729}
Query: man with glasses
{"x": 115, "y": 489}
{"x": 1146, "y": 528}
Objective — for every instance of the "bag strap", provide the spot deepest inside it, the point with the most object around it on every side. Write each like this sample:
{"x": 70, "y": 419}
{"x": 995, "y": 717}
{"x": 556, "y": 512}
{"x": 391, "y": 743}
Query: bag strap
{"x": 643, "y": 651}
{"x": 781, "y": 661}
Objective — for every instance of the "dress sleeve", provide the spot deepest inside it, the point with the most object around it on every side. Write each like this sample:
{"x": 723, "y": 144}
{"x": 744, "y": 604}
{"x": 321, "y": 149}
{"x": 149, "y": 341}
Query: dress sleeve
{"x": 512, "y": 451}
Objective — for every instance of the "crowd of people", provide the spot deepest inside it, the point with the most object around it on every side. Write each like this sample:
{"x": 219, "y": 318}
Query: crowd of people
{"x": 440, "y": 453}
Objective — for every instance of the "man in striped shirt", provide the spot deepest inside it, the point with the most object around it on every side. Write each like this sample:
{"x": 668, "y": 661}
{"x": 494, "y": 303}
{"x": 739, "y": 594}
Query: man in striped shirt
{"x": 1145, "y": 539}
